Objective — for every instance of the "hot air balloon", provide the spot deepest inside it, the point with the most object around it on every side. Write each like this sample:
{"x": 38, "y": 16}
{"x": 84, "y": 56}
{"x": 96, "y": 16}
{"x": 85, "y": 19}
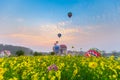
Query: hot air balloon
{"x": 69, "y": 14}
{"x": 93, "y": 52}
{"x": 59, "y": 35}
{"x": 63, "y": 49}
{"x": 56, "y": 48}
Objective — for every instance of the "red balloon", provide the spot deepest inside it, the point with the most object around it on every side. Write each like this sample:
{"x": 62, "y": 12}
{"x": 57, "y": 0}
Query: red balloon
{"x": 93, "y": 52}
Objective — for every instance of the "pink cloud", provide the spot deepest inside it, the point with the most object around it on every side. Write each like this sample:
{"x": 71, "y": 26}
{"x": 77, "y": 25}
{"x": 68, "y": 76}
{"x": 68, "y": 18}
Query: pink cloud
{"x": 44, "y": 36}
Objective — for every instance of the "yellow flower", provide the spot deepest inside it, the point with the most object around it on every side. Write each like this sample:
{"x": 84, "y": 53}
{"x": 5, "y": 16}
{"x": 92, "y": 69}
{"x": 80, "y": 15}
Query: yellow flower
{"x": 49, "y": 75}
{"x": 1, "y": 77}
{"x": 114, "y": 76}
{"x": 24, "y": 75}
{"x": 43, "y": 78}
{"x": 93, "y": 64}
{"x": 75, "y": 72}
{"x": 112, "y": 57}
{"x": 35, "y": 76}
{"x": 83, "y": 63}
{"x": 114, "y": 71}
{"x": 62, "y": 64}
{"x": 1, "y": 59}
{"x": 68, "y": 55}
{"x": 118, "y": 67}
{"x": 2, "y": 71}
{"x": 74, "y": 65}
{"x": 53, "y": 78}
{"x": 102, "y": 65}
{"x": 39, "y": 59}
{"x": 43, "y": 64}
{"x": 58, "y": 74}
{"x": 3, "y": 63}
{"x": 14, "y": 78}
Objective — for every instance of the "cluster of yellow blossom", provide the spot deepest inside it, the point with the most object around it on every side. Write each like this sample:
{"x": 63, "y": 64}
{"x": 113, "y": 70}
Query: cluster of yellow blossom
{"x": 66, "y": 68}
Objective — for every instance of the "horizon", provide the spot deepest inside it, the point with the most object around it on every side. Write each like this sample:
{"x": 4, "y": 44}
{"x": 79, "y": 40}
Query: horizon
{"x": 36, "y": 23}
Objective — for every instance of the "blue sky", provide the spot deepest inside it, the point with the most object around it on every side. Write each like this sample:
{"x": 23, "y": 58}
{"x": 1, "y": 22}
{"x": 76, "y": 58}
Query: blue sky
{"x": 35, "y": 23}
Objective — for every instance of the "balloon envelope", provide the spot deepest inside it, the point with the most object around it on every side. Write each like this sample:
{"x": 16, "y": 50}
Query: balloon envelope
{"x": 56, "y": 48}
{"x": 59, "y": 35}
{"x": 93, "y": 52}
{"x": 63, "y": 46}
{"x": 69, "y": 14}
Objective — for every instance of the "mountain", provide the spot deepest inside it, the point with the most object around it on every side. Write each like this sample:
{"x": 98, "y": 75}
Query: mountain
{"x": 13, "y": 49}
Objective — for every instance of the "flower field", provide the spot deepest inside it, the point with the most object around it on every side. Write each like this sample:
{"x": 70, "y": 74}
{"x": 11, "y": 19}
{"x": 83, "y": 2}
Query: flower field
{"x": 59, "y": 68}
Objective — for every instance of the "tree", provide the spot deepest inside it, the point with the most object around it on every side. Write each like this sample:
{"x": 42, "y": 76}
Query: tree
{"x": 37, "y": 54}
{"x": 52, "y": 53}
{"x": 19, "y": 52}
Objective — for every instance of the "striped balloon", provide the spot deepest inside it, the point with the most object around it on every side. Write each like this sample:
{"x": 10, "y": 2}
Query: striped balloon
{"x": 93, "y": 52}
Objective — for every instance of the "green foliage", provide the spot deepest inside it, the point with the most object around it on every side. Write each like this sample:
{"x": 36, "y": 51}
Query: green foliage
{"x": 69, "y": 68}
{"x": 20, "y": 53}
{"x": 37, "y": 54}
{"x": 12, "y": 55}
{"x": 52, "y": 53}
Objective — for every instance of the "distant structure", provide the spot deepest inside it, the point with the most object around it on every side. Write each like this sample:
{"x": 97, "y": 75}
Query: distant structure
{"x": 5, "y": 53}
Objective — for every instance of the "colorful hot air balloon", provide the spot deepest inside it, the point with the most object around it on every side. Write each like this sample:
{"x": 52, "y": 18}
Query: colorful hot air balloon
{"x": 63, "y": 49}
{"x": 59, "y": 35}
{"x": 93, "y": 52}
{"x": 69, "y": 14}
{"x": 56, "y": 48}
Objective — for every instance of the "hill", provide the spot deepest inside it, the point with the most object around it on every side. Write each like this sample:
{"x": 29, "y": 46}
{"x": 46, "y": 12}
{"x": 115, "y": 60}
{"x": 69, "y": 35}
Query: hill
{"x": 13, "y": 49}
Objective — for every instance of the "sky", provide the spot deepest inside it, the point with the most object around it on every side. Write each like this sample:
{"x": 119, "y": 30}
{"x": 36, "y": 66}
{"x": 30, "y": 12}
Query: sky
{"x": 36, "y": 23}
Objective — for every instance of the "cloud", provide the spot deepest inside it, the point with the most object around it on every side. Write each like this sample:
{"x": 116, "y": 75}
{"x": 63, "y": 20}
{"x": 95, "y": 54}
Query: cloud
{"x": 44, "y": 36}
{"x": 20, "y": 20}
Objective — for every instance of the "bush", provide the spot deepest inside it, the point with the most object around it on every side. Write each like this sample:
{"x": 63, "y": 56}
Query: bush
{"x": 37, "y": 54}
{"x": 63, "y": 68}
{"x": 19, "y": 52}
{"x": 52, "y": 53}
